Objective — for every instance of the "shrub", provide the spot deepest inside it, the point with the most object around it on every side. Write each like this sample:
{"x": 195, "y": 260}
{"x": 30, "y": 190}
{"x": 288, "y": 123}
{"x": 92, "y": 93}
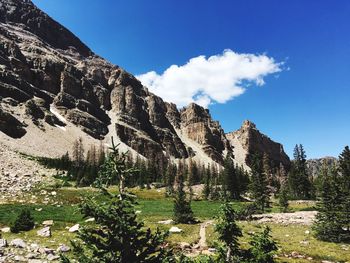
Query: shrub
{"x": 24, "y": 222}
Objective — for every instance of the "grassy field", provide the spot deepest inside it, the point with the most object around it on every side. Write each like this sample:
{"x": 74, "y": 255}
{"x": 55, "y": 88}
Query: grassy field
{"x": 62, "y": 207}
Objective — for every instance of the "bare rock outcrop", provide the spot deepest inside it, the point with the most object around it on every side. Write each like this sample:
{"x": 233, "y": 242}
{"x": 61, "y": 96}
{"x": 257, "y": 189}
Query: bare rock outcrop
{"x": 248, "y": 140}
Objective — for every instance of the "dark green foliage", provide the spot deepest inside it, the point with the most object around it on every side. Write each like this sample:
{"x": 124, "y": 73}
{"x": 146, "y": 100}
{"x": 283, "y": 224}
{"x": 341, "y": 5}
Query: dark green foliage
{"x": 246, "y": 212}
{"x": 230, "y": 179}
{"x": 228, "y": 232}
{"x": 298, "y": 178}
{"x": 183, "y": 213}
{"x": 333, "y": 218}
{"x": 207, "y": 185}
{"x": 283, "y": 199}
{"x": 263, "y": 247}
{"x": 117, "y": 235}
{"x": 328, "y": 224}
{"x": 24, "y": 222}
{"x": 259, "y": 186}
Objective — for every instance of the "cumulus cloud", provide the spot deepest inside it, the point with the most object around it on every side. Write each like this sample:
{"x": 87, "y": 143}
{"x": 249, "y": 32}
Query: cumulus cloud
{"x": 216, "y": 79}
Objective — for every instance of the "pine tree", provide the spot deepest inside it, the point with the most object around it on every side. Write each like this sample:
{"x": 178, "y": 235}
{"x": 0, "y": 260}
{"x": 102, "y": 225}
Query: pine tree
{"x": 169, "y": 179}
{"x": 117, "y": 235}
{"x": 328, "y": 225}
{"x": 228, "y": 232}
{"x": 283, "y": 198}
{"x": 344, "y": 170}
{"x": 263, "y": 247}
{"x": 230, "y": 179}
{"x": 259, "y": 187}
{"x": 207, "y": 186}
{"x": 183, "y": 213}
{"x": 24, "y": 222}
{"x": 299, "y": 181}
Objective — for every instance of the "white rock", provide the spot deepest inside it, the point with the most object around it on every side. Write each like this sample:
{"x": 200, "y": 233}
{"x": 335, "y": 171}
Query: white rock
{"x": 47, "y": 222}
{"x": 20, "y": 258}
{"x": 307, "y": 232}
{"x": 3, "y": 243}
{"x": 5, "y": 230}
{"x": 212, "y": 250}
{"x": 63, "y": 248}
{"x": 52, "y": 257}
{"x": 175, "y": 229}
{"x": 74, "y": 228}
{"x": 138, "y": 212}
{"x": 18, "y": 243}
{"x": 45, "y": 232}
{"x": 38, "y": 209}
{"x": 53, "y": 193}
{"x": 166, "y": 222}
{"x": 90, "y": 220}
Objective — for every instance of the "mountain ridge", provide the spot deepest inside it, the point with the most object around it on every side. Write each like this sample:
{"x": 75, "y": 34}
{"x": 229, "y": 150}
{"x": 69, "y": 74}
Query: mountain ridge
{"x": 52, "y": 83}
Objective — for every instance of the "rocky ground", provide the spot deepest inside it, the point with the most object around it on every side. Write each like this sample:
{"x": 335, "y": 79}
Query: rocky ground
{"x": 301, "y": 217}
{"x": 19, "y": 174}
{"x": 20, "y": 251}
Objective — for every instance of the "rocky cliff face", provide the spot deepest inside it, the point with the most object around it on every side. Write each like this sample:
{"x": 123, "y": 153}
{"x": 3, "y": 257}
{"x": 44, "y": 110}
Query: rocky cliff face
{"x": 314, "y": 166}
{"x": 51, "y": 83}
{"x": 248, "y": 140}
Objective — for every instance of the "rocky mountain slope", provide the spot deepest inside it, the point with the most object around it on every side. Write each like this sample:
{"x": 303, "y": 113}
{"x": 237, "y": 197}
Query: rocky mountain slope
{"x": 53, "y": 88}
{"x": 314, "y": 166}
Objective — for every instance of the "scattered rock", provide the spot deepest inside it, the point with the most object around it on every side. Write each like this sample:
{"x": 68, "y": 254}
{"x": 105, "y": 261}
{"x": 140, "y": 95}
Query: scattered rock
{"x": 47, "y": 222}
{"x": 19, "y": 243}
{"x": 166, "y": 222}
{"x": 175, "y": 229}
{"x": 20, "y": 258}
{"x": 45, "y": 232}
{"x": 3, "y": 243}
{"x": 5, "y": 230}
{"x": 63, "y": 248}
{"x": 90, "y": 220}
{"x": 74, "y": 228}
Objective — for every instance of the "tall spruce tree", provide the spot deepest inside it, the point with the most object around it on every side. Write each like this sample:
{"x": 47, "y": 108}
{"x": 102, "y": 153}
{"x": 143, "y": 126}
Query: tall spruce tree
{"x": 344, "y": 170}
{"x": 299, "y": 181}
{"x": 231, "y": 179}
{"x": 182, "y": 207}
{"x": 207, "y": 185}
{"x": 259, "y": 186}
{"x": 328, "y": 224}
{"x": 229, "y": 232}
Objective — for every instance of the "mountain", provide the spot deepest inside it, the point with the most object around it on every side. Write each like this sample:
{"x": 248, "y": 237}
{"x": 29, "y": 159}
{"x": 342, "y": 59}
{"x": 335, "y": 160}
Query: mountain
{"x": 53, "y": 89}
{"x": 314, "y": 166}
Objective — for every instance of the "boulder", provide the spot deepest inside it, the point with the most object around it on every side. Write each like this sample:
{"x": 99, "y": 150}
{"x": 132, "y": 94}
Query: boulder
{"x": 74, "y": 228}
{"x": 3, "y": 242}
{"x": 19, "y": 243}
{"x": 175, "y": 229}
{"x": 45, "y": 232}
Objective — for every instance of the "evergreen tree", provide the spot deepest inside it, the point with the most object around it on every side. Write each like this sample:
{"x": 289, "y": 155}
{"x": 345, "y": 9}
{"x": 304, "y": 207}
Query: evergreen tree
{"x": 328, "y": 225}
{"x": 169, "y": 179}
{"x": 182, "y": 207}
{"x": 344, "y": 169}
{"x": 230, "y": 178}
{"x": 228, "y": 232}
{"x": 117, "y": 235}
{"x": 263, "y": 247}
{"x": 24, "y": 222}
{"x": 283, "y": 198}
{"x": 299, "y": 181}
{"x": 207, "y": 186}
{"x": 259, "y": 187}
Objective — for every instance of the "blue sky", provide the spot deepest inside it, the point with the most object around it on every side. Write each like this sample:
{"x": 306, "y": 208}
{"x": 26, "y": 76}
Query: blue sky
{"x": 307, "y": 102}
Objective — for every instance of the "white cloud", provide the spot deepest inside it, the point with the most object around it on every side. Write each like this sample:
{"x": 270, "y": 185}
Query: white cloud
{"x": 216, "y": 79}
